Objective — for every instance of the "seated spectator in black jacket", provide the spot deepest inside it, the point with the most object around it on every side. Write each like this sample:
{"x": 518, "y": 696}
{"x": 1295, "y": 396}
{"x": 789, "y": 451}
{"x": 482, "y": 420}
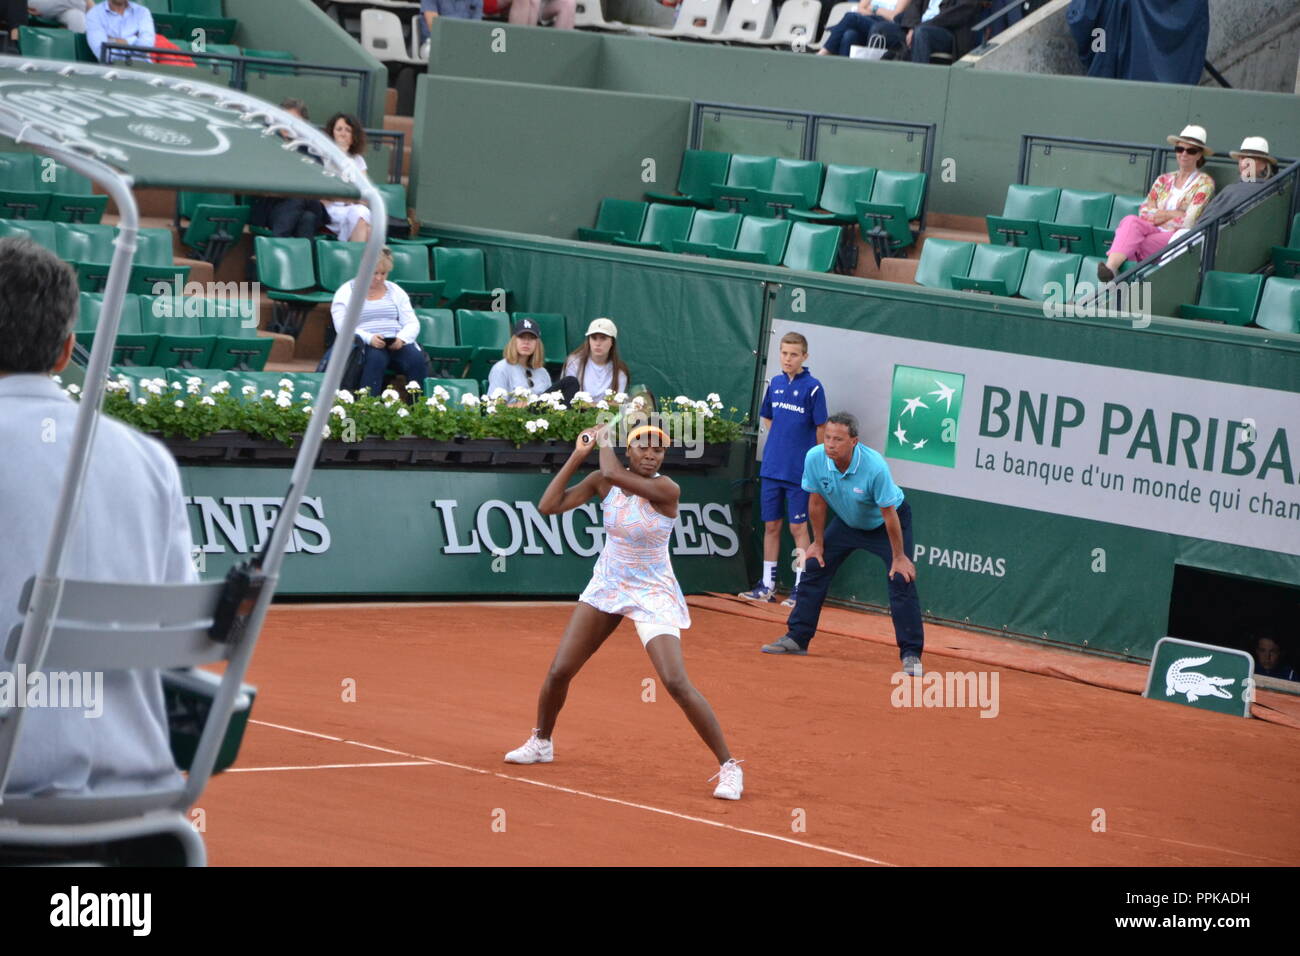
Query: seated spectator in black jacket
{"x": 1268, "y": 660}
{"x": 290, "y": 216}
{"x": 939, "y": 26}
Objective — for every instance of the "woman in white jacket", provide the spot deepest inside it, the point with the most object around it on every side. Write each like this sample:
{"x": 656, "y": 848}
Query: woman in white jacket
{"x": 387, "y": 328}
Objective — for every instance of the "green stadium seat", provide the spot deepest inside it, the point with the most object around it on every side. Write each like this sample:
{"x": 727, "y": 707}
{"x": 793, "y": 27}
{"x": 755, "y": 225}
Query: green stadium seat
{"x": 994, "y": 270}
{"x": 181, "y": 342}
{"x": 456, "y": 387}
{"x": 1230, "y": 297}
{"x": 551, "y": 329}
{"x": 844, "y": 188}
{"x": 811, "y": 247}
{"x": 287, "y": 272}
{"x": 268, "y": 69}
{"x": 487, "y": 333}
{"x": 1123, "y": 206}
{"x": 1286, "y": 259}
{"x": 206, "y": 15}
{"x": 796, "y": 184}
{"x": 207, "y": 377}
{"x": 216, "y": 222}
{"x": 237, "y": 342}
{"x": 761, "y": 241}
{"x": 1279, "y": 307}
{"x": 1089, "y": 280}
{"x": 701, "y": 168}
{"x": 941, "y": 259}
{"x": 411, "y": 272}
{"x": 135, "y": 374}
{"x": 20, "y": 196}
{"x": 1045, "y": 268}
{"x": 463, "y": 272}
{"x": 72, "y": 196}
{"x": 438, "y": 339}
{"x": 663, "y": 225}
{"x": 886, "y": 220}
{"x": 1078, "y": 213}
{"x": 133, "y": 346}
{"x": 42, "y": 43}
{"x": 616, "y": 219}
{"x": 395, "y": 203}
{"x": 747, "y": 176}
{"x": 337, "y": 262}
{"x": 1025, "y": 207}
{"x": 38, "y": 231}
{"x": 89, "y": 248}
{"x": 710, "y": 231}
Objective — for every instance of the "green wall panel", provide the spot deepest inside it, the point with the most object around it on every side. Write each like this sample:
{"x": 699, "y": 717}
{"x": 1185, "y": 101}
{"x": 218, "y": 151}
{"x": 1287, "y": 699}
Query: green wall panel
{"x": 497, "y": 51}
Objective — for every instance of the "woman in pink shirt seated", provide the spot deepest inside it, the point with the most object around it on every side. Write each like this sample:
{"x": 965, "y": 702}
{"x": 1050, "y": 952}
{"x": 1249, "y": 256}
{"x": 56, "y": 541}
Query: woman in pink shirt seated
{"x": 1175, "y": 202}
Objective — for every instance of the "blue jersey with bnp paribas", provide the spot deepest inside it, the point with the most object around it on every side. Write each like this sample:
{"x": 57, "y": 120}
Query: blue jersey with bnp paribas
{"x": 796, "y": 407}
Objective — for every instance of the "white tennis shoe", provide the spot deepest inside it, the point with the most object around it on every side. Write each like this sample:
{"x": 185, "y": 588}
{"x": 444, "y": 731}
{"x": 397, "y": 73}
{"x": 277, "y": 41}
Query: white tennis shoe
{"x": 535, "y": 750}
{"x": 731, "y": 782}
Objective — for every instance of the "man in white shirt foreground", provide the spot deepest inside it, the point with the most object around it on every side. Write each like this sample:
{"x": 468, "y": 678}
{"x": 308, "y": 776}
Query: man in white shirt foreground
{"x": 131, "y": 527}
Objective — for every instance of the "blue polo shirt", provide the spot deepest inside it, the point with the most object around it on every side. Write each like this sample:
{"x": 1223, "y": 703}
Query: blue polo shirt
{"x": 856, "y": 495}
{"x": 796, "y": 407}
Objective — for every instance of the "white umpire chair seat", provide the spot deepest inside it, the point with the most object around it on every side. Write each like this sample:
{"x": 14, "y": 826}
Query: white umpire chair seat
{"x": 696, "y": 19}
{"x": 832, "y": 19}
{"x": 748, "y": 21}
{"x": 796, "y": 24}
{"x": 590, "y": 16}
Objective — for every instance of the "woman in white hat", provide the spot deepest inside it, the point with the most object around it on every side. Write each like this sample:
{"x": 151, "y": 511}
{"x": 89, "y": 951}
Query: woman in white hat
{"x": 1175, "y": 202}
{"x": 1257, "y": 168}
{"x": 595, "y": 364}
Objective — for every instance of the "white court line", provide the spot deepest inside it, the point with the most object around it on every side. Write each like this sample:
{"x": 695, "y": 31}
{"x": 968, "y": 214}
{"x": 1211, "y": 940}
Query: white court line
{"x": 584, "y": 793}
{"x": 333, "y": 766}
{"x": 1203, "y": 846}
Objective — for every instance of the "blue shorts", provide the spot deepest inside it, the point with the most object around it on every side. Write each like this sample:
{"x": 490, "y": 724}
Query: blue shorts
{"x": 775, "y": 492}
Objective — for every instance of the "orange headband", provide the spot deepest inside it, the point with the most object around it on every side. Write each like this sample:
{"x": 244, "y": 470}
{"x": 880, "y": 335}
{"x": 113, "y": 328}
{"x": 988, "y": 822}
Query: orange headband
{"x": 643, "y": 429}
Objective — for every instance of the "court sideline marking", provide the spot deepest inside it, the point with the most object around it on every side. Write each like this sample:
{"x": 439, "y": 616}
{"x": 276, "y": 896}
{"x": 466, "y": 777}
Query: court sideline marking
{"x": 581, "y": 793}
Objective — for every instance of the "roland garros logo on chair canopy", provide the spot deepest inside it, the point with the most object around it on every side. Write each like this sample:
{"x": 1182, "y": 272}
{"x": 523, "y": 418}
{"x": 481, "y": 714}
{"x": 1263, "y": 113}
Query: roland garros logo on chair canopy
{"x": 135, "y": 119}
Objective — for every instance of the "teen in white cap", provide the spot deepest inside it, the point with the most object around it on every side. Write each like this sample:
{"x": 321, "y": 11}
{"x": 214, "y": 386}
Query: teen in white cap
{"x": 1175, "y": 202}
{"x": 595, "y": 363}
{"x": 522, "y": 361}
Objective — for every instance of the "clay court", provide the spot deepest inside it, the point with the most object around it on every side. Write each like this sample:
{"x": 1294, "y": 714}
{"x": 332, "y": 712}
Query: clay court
{"x": 411, "y": 773}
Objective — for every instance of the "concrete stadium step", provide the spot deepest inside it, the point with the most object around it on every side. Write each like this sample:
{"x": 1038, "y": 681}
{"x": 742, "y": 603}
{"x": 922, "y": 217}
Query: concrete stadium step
{"x": 401, "y": 124}
{"x": 390, "y": 100}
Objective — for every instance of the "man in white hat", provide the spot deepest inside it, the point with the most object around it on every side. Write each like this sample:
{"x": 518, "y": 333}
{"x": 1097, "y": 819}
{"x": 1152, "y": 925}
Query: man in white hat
{"x": 1257, "y": 168}
{"x": 1175, "y": 202}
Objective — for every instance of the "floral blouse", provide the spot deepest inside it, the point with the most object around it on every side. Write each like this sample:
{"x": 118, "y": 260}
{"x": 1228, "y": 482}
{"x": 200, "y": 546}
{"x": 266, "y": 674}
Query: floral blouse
{"x": 1195, "y": 197}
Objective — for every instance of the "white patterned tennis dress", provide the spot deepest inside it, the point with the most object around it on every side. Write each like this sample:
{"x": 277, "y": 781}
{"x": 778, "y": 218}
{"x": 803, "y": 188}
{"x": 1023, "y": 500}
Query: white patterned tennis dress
{"x": 634, "y": 575}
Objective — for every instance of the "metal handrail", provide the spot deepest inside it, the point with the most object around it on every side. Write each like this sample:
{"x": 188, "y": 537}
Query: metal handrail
{"x": 126, "y": 57}
{"x": 993, "y": 16}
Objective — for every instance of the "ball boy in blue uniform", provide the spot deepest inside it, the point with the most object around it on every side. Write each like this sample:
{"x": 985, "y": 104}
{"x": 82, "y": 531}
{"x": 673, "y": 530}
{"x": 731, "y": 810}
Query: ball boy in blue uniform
{"x": 794, "y": 414}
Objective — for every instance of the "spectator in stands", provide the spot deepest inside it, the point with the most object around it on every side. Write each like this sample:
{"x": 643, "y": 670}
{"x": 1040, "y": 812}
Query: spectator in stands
{"x": 430, "y": 10}
{"x": 349, "y": 219}
{"x": 118, "y": 23}
{"x": 522, "y": 363}
{"x": 387, "y": 329}
{"x": 130, "y": 525}
{"x": 873, "y": 17}
{"x": 530, "y": 13}
{"x": 938, "y": 26}
{"x": 13, "y": 14}
{"x": 290, "y": 216}
{"x": 595, "y": 367}
{"x": 1268, "y": 660}
{"x": 71, "y": 13}
{"x": 1256, "y": 167}
{"x": 1176, "y": 201}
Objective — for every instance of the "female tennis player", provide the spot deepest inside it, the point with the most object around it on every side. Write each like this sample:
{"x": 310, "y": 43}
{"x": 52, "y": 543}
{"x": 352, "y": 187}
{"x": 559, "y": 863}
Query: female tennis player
{"x": 634, "y": 579}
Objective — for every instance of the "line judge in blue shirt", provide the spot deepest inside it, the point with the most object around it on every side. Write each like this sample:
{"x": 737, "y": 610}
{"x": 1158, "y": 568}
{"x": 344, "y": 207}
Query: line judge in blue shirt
{"x": 118, "y": 23}
{"x": 870, "y": 514}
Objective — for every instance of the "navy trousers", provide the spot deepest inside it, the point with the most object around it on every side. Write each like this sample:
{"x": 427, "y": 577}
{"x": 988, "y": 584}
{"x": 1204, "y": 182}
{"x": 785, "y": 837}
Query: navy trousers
{"x": 856, "y": 29}
{"x": 927, "y": 39}
{"x": 840, "y": 541}
{"x": 409, "y": 360}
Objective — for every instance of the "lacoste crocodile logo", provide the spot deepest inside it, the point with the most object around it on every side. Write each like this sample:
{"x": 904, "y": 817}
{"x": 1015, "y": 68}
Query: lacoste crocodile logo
{"x": 1191, "y": 683}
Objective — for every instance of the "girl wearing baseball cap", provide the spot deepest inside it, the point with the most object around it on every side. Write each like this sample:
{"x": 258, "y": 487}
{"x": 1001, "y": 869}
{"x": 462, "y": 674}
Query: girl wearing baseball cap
{"x": 522, "y": 362}
{"x": 595, "y": 365}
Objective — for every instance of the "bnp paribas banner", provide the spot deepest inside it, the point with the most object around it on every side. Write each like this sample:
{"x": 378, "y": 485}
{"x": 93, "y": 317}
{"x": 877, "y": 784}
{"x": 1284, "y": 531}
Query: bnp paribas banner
{"x": 1155, "y": 452}
{"x": 440, "y": 532}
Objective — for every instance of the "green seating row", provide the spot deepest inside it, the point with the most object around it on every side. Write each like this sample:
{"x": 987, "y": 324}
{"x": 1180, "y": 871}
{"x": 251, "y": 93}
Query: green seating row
{"x": 309, "y": 382}
{"x": 1286, "y": 259}
{"x": 38, "y": 188}
{"x": 299, "y": 274}
{"x": 883, "y": 202}
{"x": 178, "y": 19}
{"x": 1242, "y": 299}
{"x": 89, "y": 249}
{"x": 180, "y": 333}
{"x": 723, "y": 235}
{"x": 470, "y": 341}
{"x": 1060, "y": 220}
{"x": 1002, "y": 270}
